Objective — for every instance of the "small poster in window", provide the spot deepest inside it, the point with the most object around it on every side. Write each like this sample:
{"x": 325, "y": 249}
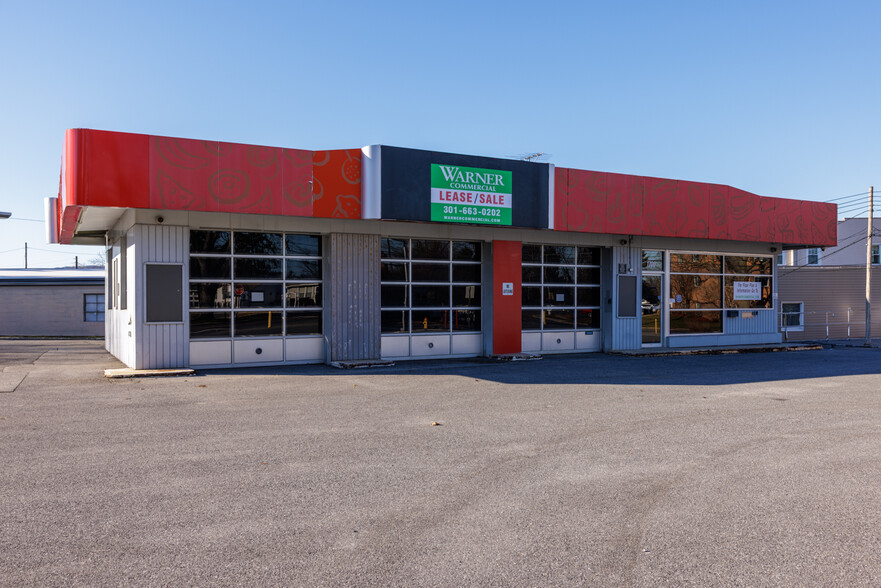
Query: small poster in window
{"x": 747, "y": 291}
{"x": 256, "y": 296}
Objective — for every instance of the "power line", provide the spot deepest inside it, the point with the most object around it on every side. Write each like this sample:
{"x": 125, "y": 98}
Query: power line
{"x": 857, "y": 240}
{"x": 846, "y": 197}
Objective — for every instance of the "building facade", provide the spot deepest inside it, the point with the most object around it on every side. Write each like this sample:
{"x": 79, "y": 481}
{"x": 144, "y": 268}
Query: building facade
{"x": 52, "y": 302}
{"x": 822, "y": 291}
{"x": 223, "y": 254}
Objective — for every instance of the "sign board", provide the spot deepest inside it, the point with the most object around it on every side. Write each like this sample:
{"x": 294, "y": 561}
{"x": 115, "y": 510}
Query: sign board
{"x": 470, "y": 195}
{"x": 507, "y": 288}
{"x": 747, "y": 290}
{"x": 432, "y": 186}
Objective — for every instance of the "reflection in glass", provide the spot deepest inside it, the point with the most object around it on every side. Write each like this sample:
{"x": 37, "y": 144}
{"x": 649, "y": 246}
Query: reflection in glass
{"x": 685, "y": 322}
{"x": 559, "y": 275}
{"x": 735, "y": 264}
{"x": 431, "y": 295}
{"x": 303, "y": 323}
{"x": 210, "y": 325}
{"x": 393, "y": 272}
{"x": 559, "y": 296}
{"x": 257, "y": 243}
{"x": 210, "y": 295}
{"x": 393, "y": 248}
{"x": 466, "y": 272}
{"x": 394, "y": 321}
{"x": 393, "y": 296}
{"x": 303, "y": 295}
{"x": 652, "y": 261}
{"x": 559, "y": 319}
{"x": 589, "y": 256}
{"x": 430, "y": 272}
{"x": 209, "y": 241}
{"x": 257, "y": 324}
{"x": 589, "y": 296}
{"x": 212, "y": 268}
{"x": 695, "y": 291}
{"x": 690, "y": 263}
{"x": 430, "y": 321}
{"x": 589, "y": 275}
{"x": 258, "y": 295}
{"x": 466, "y": 251}
{"x": 302, "y": 245}
{"x": 652, "y": 313}
{"x": 466, "y": 295}
{"x": 251, "y": 268}
{"x": 763, "y": 296}
{"x": 466, "y": 320}
{"x": 425, "y": 249}
{"x": 559, "y": 254}
{"x": 301, "y": 269}
{"x": 531, "y": 274}
{"x": 531, "y": 296}
{"x": 531, "y": 253}
{"x": 531, "y": 320}
{"x": 587, "y": 318}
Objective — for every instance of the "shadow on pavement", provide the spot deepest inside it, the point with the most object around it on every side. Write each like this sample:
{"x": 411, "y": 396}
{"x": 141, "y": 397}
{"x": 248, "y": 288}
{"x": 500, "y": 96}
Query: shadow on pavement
{"x": 595, "y": 368}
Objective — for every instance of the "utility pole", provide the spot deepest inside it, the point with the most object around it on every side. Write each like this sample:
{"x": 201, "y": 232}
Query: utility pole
{"x": 869, "y": 272}
{"x": 25, "y": 256}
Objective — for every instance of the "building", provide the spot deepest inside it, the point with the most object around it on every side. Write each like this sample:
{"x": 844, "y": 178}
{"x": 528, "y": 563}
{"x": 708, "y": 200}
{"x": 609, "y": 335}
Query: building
{"x": 223, "y": 254}
{"x": 822, "y": 291}
{"x": 52, "y": 302}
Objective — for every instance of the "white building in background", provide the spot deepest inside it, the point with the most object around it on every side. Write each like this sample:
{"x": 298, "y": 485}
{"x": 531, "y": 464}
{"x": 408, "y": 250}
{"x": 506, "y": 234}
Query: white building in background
{"x": 823, "y": 290}
{"x": 52, "y": 302}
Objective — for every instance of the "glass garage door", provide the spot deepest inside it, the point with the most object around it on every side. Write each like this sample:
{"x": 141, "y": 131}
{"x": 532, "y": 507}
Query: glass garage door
{"x": 561, "y": 298}
{"x": 430, "y": 298}
{"x": 255, "y": 297}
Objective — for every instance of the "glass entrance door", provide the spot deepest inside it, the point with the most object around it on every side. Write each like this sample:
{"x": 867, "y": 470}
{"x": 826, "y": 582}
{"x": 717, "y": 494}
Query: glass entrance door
{"x": 652, "y": 310}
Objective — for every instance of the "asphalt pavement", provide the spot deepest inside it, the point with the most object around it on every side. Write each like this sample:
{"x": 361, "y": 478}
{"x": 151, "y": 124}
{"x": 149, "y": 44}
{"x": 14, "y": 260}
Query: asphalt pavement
{"x": 759, "y": 469}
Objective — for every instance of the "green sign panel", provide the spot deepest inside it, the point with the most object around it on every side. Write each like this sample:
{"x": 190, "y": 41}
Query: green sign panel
{"x": 470, "y": 195}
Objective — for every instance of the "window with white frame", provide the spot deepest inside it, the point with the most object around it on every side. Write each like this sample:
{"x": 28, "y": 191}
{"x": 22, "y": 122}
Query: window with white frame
{"x": 876, "y": 254}
{"x": 703, "y": 286}
{"x": 814, "y": 256}
{"x": 93, "y": 308}
{"x": 792, "y": 316}
{"x": 429, "y": 286}
{"x": 780, "y": 258}
{"x": 561, "y": 287}
{"x": 254, "y": 284}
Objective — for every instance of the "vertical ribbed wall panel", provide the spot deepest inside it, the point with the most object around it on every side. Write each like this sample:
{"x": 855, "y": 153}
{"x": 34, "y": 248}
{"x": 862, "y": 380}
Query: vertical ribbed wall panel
{"x": 626, "y": 332}
{"x": 163, "y": 345}
{"x": 764, "y": 321}
{"x": 354, "y": 297}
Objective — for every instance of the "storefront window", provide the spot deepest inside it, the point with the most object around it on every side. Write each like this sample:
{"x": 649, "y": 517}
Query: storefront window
{"x": 429, "y": 286}
{"x": 250, "y": 284}
{"x": 560, "y": 288}
{"x": 703, "y": 286}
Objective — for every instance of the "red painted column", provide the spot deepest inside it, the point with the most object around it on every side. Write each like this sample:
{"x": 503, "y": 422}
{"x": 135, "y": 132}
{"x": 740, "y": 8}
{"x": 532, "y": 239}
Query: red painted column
{"x": 507, "y": 319}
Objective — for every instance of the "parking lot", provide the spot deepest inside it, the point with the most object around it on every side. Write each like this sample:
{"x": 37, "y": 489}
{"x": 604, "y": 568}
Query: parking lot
{"x": 756, "y": 469}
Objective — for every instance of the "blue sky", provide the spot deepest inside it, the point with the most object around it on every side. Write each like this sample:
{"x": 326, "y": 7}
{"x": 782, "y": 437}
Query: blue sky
{"x": 777, "y": 98}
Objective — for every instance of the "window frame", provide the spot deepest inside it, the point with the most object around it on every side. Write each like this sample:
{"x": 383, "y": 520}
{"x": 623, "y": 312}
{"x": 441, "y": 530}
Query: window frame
{"x": 576, "y": 285}
{"x": 387, "y": 259}
{"x": 234, "y": 306}
{"x": 723, "y": 275}
{"x": 99, "y": 310}
{"x": 800, "y": 327}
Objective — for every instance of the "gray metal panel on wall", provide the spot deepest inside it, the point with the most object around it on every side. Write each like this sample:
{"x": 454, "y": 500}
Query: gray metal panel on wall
{"x": 626, "y": 332}
{"x": 160, "y": 345}
{"x": 763, "y": 321}
{"x": 354, "y": 332}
